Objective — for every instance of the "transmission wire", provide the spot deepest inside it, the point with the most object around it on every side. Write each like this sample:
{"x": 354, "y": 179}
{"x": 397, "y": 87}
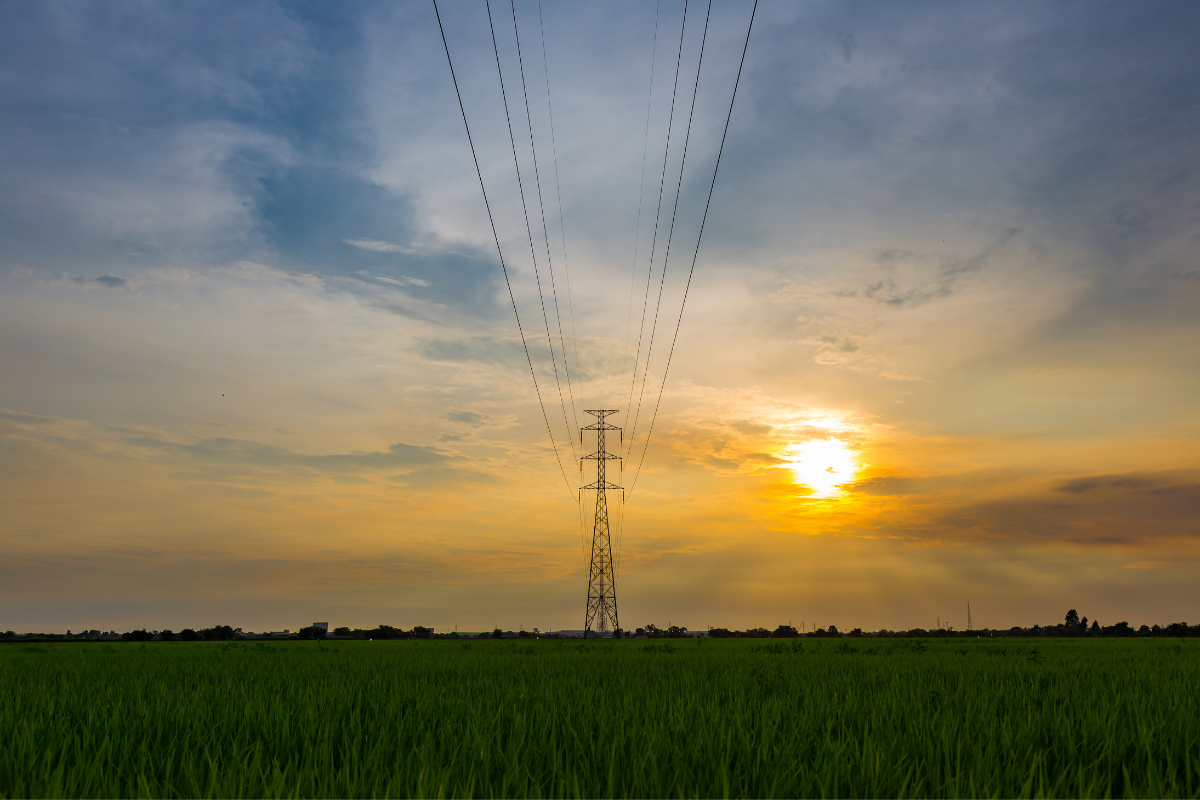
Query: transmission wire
{"x": 658, "y": 214}
{"x": 545, "y": 230}
{"x": 566, "y": 259}
{"x": 641, "y": 197}
{"x": 528, "y": 229}
{"x": 671, "y": 236}
{"x": 495, "y": 236}
{"x": 696, "y": 252}
{"x": 633, "y": 270}
{"x": 558, "y": 193}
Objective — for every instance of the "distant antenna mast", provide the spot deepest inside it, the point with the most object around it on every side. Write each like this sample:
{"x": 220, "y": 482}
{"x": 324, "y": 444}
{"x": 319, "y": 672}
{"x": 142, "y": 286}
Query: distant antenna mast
{"x": 601, "y": 615}
{"x": 969, "y": 625}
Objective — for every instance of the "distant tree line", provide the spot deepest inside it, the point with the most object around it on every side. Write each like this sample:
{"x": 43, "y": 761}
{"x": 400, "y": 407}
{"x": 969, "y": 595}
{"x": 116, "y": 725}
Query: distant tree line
{"x": 381, "y": 632}
{"x": 1072, "y": 625}
{"x": 652, "y": 631}
{"x": 218, "y": 633}
{"x": 499, "y": 634}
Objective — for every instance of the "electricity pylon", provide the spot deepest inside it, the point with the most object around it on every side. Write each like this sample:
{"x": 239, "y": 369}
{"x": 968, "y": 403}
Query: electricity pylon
{"x": 601, "y": 615}
{"x": 969, "y": 626}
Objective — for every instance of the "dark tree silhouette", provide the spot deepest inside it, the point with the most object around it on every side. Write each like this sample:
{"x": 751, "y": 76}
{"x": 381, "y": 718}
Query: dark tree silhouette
{"x": 219, "y": 633}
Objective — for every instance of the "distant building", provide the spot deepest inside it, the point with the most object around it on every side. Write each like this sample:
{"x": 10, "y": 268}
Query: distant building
{"x": 322, "y": 625}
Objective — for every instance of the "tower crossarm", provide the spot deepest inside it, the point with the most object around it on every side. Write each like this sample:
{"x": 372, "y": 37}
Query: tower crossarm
{"x": 604, "y": 485}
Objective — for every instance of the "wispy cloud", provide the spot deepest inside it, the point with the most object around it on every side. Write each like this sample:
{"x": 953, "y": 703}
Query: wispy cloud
{"x": 105, "y": 281}
{"x": 376, "y": 246}
{"x": 403, "y": 281}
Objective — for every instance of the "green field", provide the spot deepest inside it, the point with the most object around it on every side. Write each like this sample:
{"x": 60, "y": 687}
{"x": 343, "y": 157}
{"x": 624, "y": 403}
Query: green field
{"x": 661, "y": 718}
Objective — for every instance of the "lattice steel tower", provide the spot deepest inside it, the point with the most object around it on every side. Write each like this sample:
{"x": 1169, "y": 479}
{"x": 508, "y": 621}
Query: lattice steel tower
{"x": 601, "y": 616}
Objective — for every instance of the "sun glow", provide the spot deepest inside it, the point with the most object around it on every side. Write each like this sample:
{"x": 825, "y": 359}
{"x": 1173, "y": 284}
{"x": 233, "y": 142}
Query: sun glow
{"x": 823, "y": 465}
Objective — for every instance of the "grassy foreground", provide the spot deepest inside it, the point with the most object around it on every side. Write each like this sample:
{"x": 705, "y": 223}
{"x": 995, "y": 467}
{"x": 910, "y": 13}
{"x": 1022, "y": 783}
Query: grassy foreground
{"x": 868, "y": 718}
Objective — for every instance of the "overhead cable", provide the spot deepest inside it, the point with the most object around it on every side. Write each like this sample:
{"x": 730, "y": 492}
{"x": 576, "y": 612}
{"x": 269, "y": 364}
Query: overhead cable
{"x": 562, "y": 227}
{"x": 633, "y": 269}
{"x": 658, "y": 213}
{"x": 545, "y": 231}
{"x": 641, "y": 197}
{"x": 528, "y": 229}
{"x": 696, "y": 252}
{"x": 500, "y": 253}
{"x": 671, "y": 236}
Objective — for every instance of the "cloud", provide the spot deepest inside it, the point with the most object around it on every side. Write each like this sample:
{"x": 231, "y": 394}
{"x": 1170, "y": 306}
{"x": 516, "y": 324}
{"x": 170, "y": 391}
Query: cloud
{"x": 481, "y": 349}
{"x": 467, "y": 417}
{"x": 398, "y": 455}
{"x": 899, "y": 485}
{"x": 1099, "y": 509}
{"x": 376, "y": 246}
{"x": 404, "y": 281}
{"x": 228, "y": 451}
{"x": 106, "y": 281}
{"x": 762, "y": 458}
{"x": 1133, "y": 482}
{"x": 753, "y": 428}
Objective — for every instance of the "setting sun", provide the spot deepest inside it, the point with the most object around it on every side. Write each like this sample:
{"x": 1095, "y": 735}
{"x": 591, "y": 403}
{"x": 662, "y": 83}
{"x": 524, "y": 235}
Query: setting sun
{"x": 823, "y": 465}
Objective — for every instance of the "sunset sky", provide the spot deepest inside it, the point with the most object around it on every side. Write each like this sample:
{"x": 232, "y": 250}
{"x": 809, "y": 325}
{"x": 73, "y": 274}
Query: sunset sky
{"x": 259, "y": 366}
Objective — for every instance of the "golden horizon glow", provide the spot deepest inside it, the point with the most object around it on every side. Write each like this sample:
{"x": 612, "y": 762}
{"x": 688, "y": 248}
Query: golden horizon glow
{"x": 823, "y": 465}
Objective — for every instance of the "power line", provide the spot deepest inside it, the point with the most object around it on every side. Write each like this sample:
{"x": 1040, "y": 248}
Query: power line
{"x": 641, "y": 197}
{"x": 500, "y": 253}
{"x": 562, "y": 227}
{"x": 671, "y": 236}
{"x": 542, "y": 207}
{"x": 563, "y": 232}
{"x": 528, "y": 229}
{"x": 658, "y": 214}
{"x": 633, "y": 274}
{"x": 696, "y": 252}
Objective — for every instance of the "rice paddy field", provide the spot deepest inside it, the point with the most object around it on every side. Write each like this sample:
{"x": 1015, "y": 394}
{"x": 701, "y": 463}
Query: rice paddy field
{"x": 632, "y": 718}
